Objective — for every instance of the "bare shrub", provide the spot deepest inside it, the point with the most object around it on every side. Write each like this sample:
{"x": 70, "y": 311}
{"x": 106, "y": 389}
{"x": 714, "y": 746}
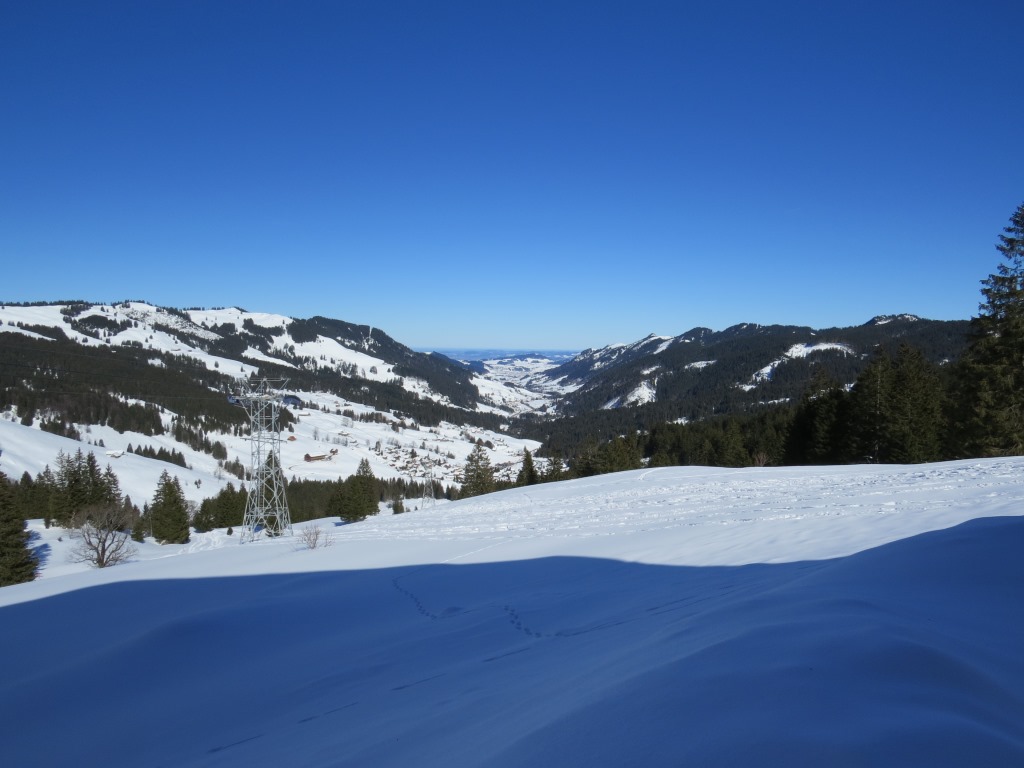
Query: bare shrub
{"x": 104, "y": 536}
{"x": 313, "y": 537}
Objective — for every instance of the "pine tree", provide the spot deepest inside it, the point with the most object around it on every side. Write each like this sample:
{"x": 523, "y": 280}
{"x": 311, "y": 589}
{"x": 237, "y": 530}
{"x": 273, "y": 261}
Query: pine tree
{"x": 477, "y": 475}
{"x": 17, "y": 564}
{"x": 109, "y": 489}
{"x": 896, "y": 410}
{"x": 870, "y": 414}
{"x": 142, "y": 525}
{"x": 71, "y": 491}
{"x": 555, "y": 470}
{"x": 365, "y": 490}
{"x": 731, "y": 451}
{"x": 96, "y": 489}
{"x": 46, "y": 489}
{"x": 357, "y": 497}
{"x": 818, "y": 433}
{"x": 528, "y": 474}
{"x": 917, "y": 425}
{"x": 991, "y": 374}
{"x": 169, "y": 512}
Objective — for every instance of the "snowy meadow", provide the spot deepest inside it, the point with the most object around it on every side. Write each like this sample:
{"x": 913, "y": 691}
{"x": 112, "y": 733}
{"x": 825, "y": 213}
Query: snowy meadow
{"x": 855, "y": 615}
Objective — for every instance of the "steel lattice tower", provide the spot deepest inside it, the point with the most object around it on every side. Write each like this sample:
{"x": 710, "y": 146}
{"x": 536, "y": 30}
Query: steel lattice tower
{"x": 427, "y": 500}
{"x": 266, "y": 508}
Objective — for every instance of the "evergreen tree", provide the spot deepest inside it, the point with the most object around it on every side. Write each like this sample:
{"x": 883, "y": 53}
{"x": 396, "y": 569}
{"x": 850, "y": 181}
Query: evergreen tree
{"x": 46, "y": 488}
{"x": 357, "y": 497}
{"x": 204, "y": 519}
{"x": 528, "y": 474}
{"x": 80, "y": 484}
{"x": 896, "y": 413}
{"x": 71, "y": 492}
{"x": 142, "y": 525}
{"x": 870, "y": 412}
{"x": 731, "y": 451}
{"x": 555, "y": 470}
{"x": 619, "y": 455}
{"x": 365, "y": 491}
{"x": 225, "y": 509}
{"x": 991, "y": 374}
{"x": 917, "y": 425}
{"x": 17, "y": 564}
{"x": 32, "y": 498}
{"x": 169, "y": 512}
{"x": 109, "y": 489}
{"x": 818, "y": 434}
{"x": 96, "y": 489}
{"x": 477, "y": 475}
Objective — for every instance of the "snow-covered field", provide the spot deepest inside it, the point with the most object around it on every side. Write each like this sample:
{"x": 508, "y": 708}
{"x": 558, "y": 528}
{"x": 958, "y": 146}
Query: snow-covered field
{"x": 834, "y": 616}
{"x": 334, "y": 443}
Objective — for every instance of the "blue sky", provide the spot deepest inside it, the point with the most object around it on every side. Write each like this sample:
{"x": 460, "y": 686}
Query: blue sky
{"x": 512, "y": 174}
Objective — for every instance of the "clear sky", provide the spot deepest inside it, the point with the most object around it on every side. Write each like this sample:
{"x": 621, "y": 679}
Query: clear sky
{"x": 512, "y": 174}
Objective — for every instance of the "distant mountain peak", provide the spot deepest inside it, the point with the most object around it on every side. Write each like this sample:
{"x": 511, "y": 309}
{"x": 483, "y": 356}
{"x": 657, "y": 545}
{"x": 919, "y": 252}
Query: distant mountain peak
{"x": 885, "y": 319}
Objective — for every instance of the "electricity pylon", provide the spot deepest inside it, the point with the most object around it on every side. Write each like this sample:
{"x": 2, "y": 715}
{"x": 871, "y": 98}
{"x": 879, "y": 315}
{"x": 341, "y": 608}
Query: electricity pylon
{"x": 428, "y": 486}
{"x": 266, "y": 508}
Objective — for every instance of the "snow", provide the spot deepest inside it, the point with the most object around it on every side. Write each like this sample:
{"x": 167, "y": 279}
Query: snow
{"x": 237, "y": 317}
{"x": 25, "y": 449}
{"x": 521, "y": 382}
{"x": 644, "y": 392}
{"x": 323, "y": 352}
{"x": 795, "y": 351}
{"x": 861, "y": 615}
{"x": 395, "y": 449}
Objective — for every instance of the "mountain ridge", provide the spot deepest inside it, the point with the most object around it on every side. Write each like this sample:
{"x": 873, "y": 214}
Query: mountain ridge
{"x": 152, "y": 370}
{"x": 703, "y": 371}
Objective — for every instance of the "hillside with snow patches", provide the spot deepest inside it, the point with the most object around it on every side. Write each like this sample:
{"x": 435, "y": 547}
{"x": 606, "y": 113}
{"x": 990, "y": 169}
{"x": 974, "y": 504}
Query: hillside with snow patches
{"x": 652, "y": 369}
{"x": 167, "y": 331}
{"x": 328, "y": 428}
{"x": 747, "y": 366}
{"x": 832, "y": 616}
{"x": 332, "y": 433}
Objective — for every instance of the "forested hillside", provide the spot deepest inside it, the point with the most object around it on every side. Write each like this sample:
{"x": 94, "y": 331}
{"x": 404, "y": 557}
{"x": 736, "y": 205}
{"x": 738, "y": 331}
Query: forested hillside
{"x": 896, "y": 390}
{"x": 115, "y": 365}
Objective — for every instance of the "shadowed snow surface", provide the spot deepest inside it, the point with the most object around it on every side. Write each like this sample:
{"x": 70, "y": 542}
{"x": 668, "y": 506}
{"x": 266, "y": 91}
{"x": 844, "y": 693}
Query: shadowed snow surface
{"x": 828, "y": 616}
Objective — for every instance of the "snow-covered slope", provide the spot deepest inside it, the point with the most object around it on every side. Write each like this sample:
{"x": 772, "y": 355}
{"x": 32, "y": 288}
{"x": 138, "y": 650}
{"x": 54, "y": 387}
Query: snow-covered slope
{"x": 341, "y": 430}
{"x": 794, "y": 352}
{"x": 184, "y": 333}
{"x": 678, "y": 616}
{"x": 333, "y": 441}
{"x": 746, "y": 356}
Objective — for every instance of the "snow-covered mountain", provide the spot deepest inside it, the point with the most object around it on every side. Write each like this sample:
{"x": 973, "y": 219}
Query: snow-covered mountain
{"x": 859, "y": 615}
{"x": 365, "y": 395}
{"x": 237, "y": 342}
{"x": 702, "y": 372}
{"x": 361, "y": 394}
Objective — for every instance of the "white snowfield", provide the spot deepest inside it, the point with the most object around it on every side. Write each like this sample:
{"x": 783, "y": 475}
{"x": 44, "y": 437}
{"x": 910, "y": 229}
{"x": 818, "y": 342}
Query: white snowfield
{"x": 832, "y": 616}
